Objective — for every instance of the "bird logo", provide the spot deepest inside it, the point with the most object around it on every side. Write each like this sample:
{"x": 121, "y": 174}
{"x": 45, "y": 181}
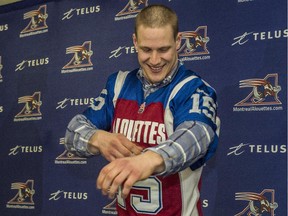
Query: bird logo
{"x": 194, "y": 42}
{"x": 261, "y": 89}
{"x": 81, "y": 55}
{"x": 258, "y": 203}
{"x": 133, "y": 6}
{"x": 31, "y": 107}
{"x": 264, "y": 91}
{"x": 25, "y": 192}
{"x": 37, "y": 19}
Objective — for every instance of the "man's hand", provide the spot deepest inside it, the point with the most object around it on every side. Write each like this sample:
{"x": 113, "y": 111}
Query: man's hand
{"x": 125, "y": 172}
{"x": 112, "y": 145}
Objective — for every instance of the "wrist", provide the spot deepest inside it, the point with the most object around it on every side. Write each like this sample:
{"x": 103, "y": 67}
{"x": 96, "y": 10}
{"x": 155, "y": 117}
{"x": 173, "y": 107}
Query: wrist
{"x": 156, "y": 161}
{"x": 92, "y": 145}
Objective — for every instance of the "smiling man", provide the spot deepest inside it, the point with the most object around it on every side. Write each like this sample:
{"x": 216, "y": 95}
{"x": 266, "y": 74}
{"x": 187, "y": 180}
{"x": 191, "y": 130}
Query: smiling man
{"x": 156, "y": 125}
{"x": 157, "y": 50}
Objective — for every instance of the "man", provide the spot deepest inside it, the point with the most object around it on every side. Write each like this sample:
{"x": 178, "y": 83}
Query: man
{"x": 156, "y": 126}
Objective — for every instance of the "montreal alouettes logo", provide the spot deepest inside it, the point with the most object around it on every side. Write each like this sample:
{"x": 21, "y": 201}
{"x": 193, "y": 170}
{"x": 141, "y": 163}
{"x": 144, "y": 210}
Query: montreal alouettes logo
{"x": 264, "y": 91}
{"x": 132, "y": 7}
{"x": 194, "y": 42}
{"x": 31, "y": 107}
{"x": 37, "y": 20}
{"x": 23, "y": 196}
{"x": 81, "y": 58}
{"x": 258, "y": 203}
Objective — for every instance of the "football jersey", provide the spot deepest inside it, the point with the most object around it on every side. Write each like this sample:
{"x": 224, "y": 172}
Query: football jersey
{"x": 122, "y": 107}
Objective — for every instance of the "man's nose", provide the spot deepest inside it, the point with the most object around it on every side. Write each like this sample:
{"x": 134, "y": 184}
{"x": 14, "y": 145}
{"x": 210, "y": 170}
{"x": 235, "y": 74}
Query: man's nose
{"x": 155, "y": 58}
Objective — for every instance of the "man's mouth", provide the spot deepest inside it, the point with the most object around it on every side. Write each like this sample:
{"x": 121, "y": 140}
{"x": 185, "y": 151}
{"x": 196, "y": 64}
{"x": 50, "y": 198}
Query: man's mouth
{"x": 156, "y": 69}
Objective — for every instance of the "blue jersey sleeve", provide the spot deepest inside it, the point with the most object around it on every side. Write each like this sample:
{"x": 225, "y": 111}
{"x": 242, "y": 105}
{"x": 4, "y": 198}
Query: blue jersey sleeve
{"x": 195, "y": 101}
{"x": 100, "y": 113}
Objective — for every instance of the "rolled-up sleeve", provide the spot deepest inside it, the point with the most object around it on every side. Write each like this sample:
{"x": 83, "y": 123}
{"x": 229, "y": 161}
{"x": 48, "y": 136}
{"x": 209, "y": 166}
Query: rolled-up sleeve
{"x": 189, "y": 143}
{"x": 78, "y": 134}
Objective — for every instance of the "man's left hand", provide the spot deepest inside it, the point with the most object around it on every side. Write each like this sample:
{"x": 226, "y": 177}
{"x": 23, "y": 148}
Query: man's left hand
{"x": 125, "y": 172}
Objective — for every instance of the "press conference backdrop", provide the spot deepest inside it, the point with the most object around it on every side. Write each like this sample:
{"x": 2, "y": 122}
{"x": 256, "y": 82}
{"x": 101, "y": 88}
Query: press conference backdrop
{"x": 55, "y": 57}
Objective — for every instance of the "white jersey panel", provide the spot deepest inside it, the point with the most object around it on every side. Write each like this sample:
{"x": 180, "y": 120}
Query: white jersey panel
{"x": 190, "y": 191}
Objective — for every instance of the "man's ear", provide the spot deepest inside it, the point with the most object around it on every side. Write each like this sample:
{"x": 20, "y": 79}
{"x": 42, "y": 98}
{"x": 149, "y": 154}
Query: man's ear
{"x": 135, "y": 41}
{"x": 178, "y": 40}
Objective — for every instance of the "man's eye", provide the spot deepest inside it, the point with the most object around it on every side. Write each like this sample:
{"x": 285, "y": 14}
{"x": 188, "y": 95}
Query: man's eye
{"x": 163, "y": 50}
{"x": 146, "y": 50}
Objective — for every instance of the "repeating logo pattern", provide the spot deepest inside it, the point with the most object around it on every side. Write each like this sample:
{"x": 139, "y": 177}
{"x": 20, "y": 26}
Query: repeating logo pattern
{"x": 32, "y": 63}
{"x": 80, "y": 11}
{"x": 31, "y": 108}
{"x": 259, "y": 36}
{"x": 194, "y": 45}
{"x": 131, "y": 9}
{"x": 37, "y": 22}
{"x": 264, "y": 91}
{"x": 195, "y": 42}
{"x": 251, "y": 148}
{"x": 24, "y": 195}
{"x": 258, "y": 203}
{"x": 81, "y": 59}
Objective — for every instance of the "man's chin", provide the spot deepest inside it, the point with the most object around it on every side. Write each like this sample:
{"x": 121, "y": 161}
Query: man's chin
{"x": 154, "y": 79}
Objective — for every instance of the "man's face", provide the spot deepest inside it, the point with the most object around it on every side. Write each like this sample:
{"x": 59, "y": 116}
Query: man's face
{"x": 157, "y": 51}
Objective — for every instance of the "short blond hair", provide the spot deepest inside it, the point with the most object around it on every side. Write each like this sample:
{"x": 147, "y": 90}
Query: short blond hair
{"x": 155, "y": 16}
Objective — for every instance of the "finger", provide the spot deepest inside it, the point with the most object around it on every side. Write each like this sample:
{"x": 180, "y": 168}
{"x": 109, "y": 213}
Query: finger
{"x": 127, "y": 187}
{"x": 119, "y": 149}
{"x": 113, "y": 153}
{"x": 137, "y": 150}
{"x": 102, "y": 177}
{"x": 117, "y": 182}
{"x": 130, "y": 147}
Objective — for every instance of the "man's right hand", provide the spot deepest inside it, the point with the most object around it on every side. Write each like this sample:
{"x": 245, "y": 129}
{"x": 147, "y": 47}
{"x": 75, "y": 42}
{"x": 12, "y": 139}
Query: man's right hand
{"x": 112, "y": 145}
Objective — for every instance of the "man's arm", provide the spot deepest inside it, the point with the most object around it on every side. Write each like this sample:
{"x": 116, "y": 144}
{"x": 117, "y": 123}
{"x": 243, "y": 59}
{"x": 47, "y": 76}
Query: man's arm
{"x": 189, "y": 143}
{"x": 84, "y": 139}
{"x": 125, "y": 172}
{"x": 78, "y": 134}
{"x": 186, "y": 145}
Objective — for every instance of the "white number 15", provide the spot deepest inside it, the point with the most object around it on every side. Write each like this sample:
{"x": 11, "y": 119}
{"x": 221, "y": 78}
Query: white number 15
{"x": 208, "y": 104}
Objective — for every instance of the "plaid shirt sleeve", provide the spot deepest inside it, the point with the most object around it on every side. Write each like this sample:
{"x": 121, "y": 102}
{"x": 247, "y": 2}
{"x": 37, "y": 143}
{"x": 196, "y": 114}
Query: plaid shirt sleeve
{"x": 188, "y": 144}
{"x": 77, "y": 136}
